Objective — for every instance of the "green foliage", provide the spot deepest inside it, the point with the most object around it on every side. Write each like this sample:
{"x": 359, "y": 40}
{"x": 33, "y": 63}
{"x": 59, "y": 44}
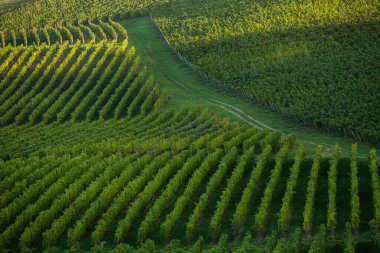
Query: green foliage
{"x": 104, "y": 199}
{"x": 311, "y": 190}
{"x": 355, "y": 204}
{"x": 59, "y": 32}
{"x": 332, "y": 177}
{"x": 221, "y": 246}
{"x": 2, "y": 37}
{"x": 319, "y": 244}
{"x": 133, "y": 185}
{"x": 292, "y": 57}
{"x": 375, "y": 183}
{"x": 37, "y": 37}
{"x": 76, "y": 33}
{"x": 141, "y": 173}
{"x": 12, "y": 104}
{"x": 248, "y": 246}
{"x": 195, "y": 181}
{"x": 147, "y": 194}
{"x": 226, "y": 196}
{"x": 122, "y": 248}
{"x": 285, "y": 211}
{"x": 349, "y": 245}
{"x": 197, "y": 246}
{"x": 375, "y": 235}
{"x": 88, "y": 31}
{"x": 242, "y": 207}
{"x": 98, "y": 30}
{"x": 24, "y": 37}
{"x": 112, "y": 34}
{"x": 225, "y": 164}
{"x": 75, "y": 83}
{"x": 166, "y": 196}
{"x": 297, "y": 240}
{"x": 147, "y": 246}
{"x": 119, "y": 28}
{"x": 41, "y": 12}
{"x": 262, "y": 213}
{"x": 14, "y": 39}
{"x": 67, "y": 34}
{"x": 126, "y": 196}
{"x": 271, "y": 139}
{"x": 46, "y": 35}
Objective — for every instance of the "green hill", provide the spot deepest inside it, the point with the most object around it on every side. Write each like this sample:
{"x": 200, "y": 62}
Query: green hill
{"x": 314, "y": 61}
{"x": 97, "y": 156}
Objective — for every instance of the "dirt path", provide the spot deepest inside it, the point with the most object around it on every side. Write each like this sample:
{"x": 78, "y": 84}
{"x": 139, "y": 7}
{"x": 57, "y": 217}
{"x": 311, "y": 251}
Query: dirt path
{"x": 245, "y": 116}
{"x": 187, "y": 90}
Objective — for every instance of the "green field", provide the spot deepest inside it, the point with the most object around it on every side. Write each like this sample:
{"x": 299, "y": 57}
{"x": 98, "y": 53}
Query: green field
{"x": 303, "y": 59}
{"x": 7, "y": 5}
{"x": 187, "y": 90}
{"x": 109, "y": 142}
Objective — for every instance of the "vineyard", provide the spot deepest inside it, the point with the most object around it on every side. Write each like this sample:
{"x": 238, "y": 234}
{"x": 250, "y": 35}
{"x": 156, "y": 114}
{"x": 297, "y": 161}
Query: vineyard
{"x": 50, "y": 12}
{"x": 302, "y": 59}
{"x": 82, "y": 32}
{"x": 96, "y": 157}
{"x": 291, "y": 62}
{"x": 89, "y": 83}
{"x": 189, "y": 177}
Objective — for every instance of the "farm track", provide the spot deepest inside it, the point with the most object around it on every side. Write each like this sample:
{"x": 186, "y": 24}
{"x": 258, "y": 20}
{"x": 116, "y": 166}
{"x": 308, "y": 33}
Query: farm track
{"x": 188, "y": 90}
{"x": 176, "y": 174}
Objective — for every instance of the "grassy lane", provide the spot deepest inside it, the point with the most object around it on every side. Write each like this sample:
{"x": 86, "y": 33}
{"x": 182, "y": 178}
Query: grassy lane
{"x": 187, "y": 90}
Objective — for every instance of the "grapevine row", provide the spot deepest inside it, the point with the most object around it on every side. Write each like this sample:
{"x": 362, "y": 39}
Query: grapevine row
{"x": 192, "y": 185}
{"x": 375, "y": 185}
{"x": 126, "y": 196}
{"x": 168, "y": 194}
{"x": 111, "y": 169}
{"x": 148, "y": 193}
{"x": 224, "y": 166}
{"x": 44, "y": 218}
{"x": 262, "y": 213}
{"x": 28, "y": 213}
{"x": 311, "y": 190}
{"x": 239, "y": 216}
{"x": 355, "y": 204}
{"x": 285, "y": 211}
{"x": 48, "y": 35}
{"x": 332, "y": 177}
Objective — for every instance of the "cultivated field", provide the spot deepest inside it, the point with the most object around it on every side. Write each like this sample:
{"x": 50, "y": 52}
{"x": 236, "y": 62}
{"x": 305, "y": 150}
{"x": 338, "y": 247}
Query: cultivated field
{"x": 112, "y": 141}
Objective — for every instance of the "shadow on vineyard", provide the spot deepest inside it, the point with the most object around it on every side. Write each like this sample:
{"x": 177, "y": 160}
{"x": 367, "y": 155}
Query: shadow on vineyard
{"x": 187, "y": 90}
{"x": 239, "y": 186}
{"x": 108, "y": 143}
{"x": 308, "y": 74}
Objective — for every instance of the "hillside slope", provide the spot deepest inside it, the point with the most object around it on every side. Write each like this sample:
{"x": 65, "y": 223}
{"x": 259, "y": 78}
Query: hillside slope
{"x": 317, "y": 62}
{"x": 108, "y": 142}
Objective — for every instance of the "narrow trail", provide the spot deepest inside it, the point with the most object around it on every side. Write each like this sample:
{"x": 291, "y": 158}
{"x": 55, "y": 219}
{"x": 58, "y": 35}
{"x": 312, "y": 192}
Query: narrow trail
{"x": 187, "y": 90}
{"x": 245, "y": 116}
